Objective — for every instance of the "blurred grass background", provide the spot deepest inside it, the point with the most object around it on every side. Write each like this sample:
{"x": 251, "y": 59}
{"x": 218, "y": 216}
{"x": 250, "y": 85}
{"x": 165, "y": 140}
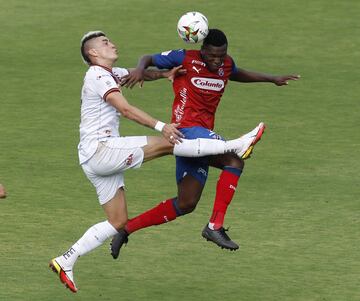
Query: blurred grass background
{"x": 296, "y": 212}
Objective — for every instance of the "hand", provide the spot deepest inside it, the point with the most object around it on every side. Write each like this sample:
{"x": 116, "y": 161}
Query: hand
{"x": 175, "y": 72}
{"x": 172, "y": 134}
{"x": 135, "y": 76}
{"x": 282, "y": 80}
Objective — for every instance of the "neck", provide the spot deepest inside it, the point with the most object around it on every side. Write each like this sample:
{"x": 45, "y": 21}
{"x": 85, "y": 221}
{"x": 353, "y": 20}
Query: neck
{"x": 109, "y": 68}
{"x": 103, "y": 63}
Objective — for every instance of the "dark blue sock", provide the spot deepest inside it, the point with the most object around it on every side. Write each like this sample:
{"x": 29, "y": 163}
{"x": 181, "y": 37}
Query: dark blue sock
{"x": 233, "y": 170}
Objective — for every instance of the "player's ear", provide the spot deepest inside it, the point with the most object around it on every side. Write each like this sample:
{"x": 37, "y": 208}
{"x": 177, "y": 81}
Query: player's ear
{"x": 92, "y": 52}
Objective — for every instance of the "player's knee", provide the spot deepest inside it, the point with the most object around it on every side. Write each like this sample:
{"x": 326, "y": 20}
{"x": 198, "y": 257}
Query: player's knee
{"x": 188, "y": 210}
{"x": 157, "y": 146}
{"x": 165, "y": 147}
{"x": 236, "y": 163}
{"x": 241, "y": 164}
{"x": 119, "y": 223}
{"x": 187, "y": 206}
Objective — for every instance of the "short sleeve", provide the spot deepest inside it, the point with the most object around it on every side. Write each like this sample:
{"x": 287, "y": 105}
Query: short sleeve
{"x": 233, "y": 67}
{"x": 169, "y": 59}
{"x": 119, "y": 72}
{"x": 104, "y": 84}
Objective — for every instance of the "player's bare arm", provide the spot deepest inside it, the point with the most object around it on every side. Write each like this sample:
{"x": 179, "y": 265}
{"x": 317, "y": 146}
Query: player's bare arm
{"x": 154, "y": 74}
{"x": 137, "y": 75}
{"x": 246, "y": 76}
{"x": 169, "y": 131}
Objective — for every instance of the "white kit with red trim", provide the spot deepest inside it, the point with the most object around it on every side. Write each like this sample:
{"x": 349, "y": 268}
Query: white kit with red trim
{"x": 99, "y": 120}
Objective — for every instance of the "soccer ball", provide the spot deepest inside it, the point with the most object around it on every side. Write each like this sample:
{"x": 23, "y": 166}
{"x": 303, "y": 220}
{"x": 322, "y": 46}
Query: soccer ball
{"x": 193, "y": 27}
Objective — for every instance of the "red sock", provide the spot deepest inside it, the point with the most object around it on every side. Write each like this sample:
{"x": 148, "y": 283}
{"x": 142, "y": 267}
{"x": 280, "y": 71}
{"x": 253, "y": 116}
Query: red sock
{"x": 225, "y": 190}
{"x": 160, "y": 214}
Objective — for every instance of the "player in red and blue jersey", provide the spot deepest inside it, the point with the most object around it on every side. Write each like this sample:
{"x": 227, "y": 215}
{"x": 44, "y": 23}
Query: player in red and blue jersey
{"x": 197, "y": 94}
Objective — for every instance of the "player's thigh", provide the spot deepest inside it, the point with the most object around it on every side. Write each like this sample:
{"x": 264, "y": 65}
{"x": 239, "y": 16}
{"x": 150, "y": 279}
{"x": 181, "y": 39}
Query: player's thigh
{"x": 156, "y": 147}
{"x": 106, "y": 186}
{"x": 117, "y": 155}
{"x": 191, "y": 176}
{"x": 196, "y": 167}
{"x": 189, "y": 192}
{"x": 116, "y": 209}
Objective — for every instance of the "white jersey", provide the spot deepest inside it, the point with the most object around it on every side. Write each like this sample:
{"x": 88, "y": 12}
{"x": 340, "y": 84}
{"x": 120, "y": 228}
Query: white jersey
{"x": 99, "y": 120}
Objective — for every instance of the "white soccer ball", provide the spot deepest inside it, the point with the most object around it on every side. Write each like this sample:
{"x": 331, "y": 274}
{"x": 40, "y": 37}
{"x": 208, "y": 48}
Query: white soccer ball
{"x": 193, "y": 27}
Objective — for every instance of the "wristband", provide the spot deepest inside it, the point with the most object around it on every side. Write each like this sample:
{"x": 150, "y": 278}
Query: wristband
{"x": 159, "y": 126}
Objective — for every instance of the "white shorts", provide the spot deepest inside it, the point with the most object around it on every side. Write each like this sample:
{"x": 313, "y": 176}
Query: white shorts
{"x": 106, "y": 167}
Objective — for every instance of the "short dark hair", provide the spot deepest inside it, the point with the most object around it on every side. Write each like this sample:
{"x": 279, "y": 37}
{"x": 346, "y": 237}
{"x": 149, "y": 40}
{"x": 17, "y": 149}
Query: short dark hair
{"x": 216, "y": 38}
{"x": 88, "y": 36}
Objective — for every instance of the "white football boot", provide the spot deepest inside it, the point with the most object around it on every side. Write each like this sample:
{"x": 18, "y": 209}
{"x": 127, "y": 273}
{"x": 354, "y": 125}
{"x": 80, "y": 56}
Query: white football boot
{"x": 249, "y": 140}
{"x": 65, "y": 274}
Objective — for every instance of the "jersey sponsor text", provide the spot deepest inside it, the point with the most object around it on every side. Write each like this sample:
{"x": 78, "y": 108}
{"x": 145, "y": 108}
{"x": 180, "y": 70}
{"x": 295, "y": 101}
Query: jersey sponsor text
{"x": 208, "y": 83}
{"x": 179, "y": 111}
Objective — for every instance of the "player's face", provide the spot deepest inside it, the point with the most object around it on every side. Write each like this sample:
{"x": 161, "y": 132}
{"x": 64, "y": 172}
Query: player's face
{"x": 213, "y": 56}
{"x": 106, "y": 49}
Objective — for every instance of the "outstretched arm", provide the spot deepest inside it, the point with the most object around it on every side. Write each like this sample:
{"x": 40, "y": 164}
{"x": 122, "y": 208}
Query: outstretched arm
{"x": 169, "y": 131}
{"x": 165, "y": 60}
{"x": 245, "y": 76}
{"x": 154, "y": 74}
{"x": 138, "y": 74}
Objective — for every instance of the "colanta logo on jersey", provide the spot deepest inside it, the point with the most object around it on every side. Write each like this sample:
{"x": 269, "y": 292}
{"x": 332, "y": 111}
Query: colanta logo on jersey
{"x": 208, "y": 83}
{"x": 198, "y": 63}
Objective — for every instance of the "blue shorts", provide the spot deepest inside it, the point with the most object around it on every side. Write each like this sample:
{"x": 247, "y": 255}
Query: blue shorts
{"x": 196, "y": 167}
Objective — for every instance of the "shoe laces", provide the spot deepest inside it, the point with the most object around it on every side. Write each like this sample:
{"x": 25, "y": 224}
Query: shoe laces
{"x": 223, "y": 231}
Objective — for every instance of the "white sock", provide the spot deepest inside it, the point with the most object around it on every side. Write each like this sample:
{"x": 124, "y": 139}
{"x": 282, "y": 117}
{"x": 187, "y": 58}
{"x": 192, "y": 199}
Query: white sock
{"x": 211, "y": 226}
{"x": 235, "y": 145}
{"x": 199, "y": 147}
{"x": 92, "y": 238}
{"x": 204, "y": 147}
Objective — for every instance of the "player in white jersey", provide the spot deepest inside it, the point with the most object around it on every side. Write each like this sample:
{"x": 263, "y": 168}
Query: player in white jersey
{"x": 104, "y": 154}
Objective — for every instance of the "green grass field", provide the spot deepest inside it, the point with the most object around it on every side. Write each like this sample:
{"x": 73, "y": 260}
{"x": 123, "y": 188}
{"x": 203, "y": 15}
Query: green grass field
{"x": 297, "y": 210}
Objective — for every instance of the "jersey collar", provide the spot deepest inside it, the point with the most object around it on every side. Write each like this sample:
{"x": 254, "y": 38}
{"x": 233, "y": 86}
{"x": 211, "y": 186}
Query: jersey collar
{"x": 106, "y": 68}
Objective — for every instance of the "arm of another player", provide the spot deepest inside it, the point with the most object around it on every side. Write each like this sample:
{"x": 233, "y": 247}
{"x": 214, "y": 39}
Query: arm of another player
{"x": 137, "y": 75}
{"x": 164, "y": 60}
{"x": 154, "y": 74}
{"x": 169, "y": 131}
{"x": 244, "y": 76}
